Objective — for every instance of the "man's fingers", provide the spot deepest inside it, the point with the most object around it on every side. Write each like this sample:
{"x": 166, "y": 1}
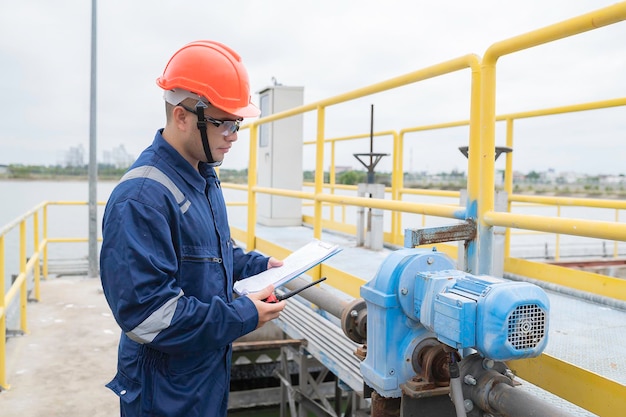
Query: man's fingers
{"x": 263, "y": 294}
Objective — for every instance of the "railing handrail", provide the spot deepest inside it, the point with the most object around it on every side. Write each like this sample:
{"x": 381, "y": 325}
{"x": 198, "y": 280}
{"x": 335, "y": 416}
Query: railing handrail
{"x": 557, "y": 31}
{"x": 27, "y": 265}
{"x": 13, "y": 224}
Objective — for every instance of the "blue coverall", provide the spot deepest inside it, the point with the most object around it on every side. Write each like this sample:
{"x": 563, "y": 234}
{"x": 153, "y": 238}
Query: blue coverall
{"x": 167, "y": 266}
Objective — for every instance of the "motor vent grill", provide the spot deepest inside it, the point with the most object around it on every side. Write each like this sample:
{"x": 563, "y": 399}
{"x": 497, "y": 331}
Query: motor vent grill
{"x": 527, "y": 326}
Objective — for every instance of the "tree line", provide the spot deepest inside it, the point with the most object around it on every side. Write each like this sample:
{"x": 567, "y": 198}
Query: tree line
{"x": 108, "y": 171}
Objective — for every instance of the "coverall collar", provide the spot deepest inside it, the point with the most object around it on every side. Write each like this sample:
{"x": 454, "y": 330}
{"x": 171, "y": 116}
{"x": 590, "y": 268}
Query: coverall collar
{"x": 182, "y": 167}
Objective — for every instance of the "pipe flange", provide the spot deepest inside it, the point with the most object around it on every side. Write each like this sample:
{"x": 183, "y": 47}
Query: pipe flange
{"x": 487, "y": 374}
{"x": 354, "y": 320}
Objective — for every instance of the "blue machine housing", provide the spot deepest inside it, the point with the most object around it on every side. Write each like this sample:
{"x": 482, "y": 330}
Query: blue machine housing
{"x": 392, "y": 335}
{"x": 417, "y": 294}
{"x": 502, "y": 320}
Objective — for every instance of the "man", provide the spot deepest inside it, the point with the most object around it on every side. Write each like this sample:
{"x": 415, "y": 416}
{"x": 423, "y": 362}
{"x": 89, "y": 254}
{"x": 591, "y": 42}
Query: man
{"x": 168, "y": 262}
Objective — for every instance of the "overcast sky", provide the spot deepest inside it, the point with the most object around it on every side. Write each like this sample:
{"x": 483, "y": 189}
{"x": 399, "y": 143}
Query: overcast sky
{"x": 327, "y": 47}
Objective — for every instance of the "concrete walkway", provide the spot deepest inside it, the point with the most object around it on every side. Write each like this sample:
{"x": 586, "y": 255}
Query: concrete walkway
{"x": 60, "y": 368}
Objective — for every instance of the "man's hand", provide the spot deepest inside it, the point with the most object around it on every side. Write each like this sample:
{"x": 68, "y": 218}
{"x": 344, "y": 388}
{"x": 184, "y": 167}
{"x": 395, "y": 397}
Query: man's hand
{"x": 274, "y": 263}
{"x": 267, "y": 311}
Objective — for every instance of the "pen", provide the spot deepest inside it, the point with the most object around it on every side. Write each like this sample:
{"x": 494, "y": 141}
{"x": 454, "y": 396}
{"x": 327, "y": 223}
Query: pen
{"x": 273, "y": 298}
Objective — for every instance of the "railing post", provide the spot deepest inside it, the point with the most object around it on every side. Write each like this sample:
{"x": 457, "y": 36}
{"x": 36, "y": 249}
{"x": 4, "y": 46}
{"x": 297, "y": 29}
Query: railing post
{"x": 331, "y": 178}
{"x": 476, "y": 181}
{"x": 36, "y": 268}
{"x": 508, "y": 184}
{"x": 24, "y": 285}
{"x": 557, "y": 243}
{"x": 252, "y": 206}
{"x": 3, "y": 322}
{"x": 486, "y": 194}
{"x": 45, "y": 240}
{"x": 615, "y": 243}
{"x": 397, "y": 183}
{"x": 319, "y": 173}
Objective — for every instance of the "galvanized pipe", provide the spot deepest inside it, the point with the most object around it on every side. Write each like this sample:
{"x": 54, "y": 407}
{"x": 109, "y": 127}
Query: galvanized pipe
{"x": 320, "y": 297}
{"x": 489, "y": 386}
{"x": 515, "y": 402}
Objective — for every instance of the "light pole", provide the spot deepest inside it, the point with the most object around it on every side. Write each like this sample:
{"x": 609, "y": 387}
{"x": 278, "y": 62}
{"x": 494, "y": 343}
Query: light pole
{"x": 93, "y": 163}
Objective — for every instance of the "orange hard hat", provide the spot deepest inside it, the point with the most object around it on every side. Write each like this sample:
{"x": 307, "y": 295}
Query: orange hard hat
{"x": 214, "y": 71}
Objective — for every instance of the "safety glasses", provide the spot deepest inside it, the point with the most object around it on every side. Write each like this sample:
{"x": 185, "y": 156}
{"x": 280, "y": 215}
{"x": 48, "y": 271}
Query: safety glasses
{"x": 229, "y": 126}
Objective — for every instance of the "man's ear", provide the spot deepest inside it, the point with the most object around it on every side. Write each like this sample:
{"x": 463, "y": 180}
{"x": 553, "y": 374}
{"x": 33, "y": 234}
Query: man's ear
{"x": 181, "y": 118}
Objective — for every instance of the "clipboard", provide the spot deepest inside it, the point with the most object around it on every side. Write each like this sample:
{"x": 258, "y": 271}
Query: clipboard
{"x": 297, "y": 263}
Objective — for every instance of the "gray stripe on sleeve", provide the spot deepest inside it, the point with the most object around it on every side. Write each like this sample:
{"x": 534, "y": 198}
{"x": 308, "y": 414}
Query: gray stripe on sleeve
{"x": 158, "y": 321}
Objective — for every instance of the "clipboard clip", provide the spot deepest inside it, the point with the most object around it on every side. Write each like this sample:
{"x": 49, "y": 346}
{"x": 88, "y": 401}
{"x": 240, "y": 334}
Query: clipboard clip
{"x": 273, "y": 298}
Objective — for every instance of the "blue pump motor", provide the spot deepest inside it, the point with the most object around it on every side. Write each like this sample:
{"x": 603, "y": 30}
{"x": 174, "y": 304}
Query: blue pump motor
{"x": 417, "y": 294}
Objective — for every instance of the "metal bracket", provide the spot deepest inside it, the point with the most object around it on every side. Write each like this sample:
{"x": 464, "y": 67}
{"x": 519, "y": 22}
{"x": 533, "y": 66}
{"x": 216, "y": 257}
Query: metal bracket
{"x": 462, "y": 231}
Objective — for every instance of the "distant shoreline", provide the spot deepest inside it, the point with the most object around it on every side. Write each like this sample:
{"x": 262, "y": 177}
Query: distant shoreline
{"x": 57, "y": 178}
{"x": 545, "y": 190}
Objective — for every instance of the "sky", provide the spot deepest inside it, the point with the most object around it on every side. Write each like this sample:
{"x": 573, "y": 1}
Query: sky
{"x": 328, "y": 47}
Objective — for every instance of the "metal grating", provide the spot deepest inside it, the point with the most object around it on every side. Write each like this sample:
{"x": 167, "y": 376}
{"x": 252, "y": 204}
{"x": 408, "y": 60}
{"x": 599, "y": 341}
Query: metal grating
{"x": 325, "y": 341}
{"x": 527, "y": 326}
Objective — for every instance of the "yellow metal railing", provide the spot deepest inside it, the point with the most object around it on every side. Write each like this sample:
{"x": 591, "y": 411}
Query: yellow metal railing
{"x": 398, "y": 190}
{"x": 19, "y": 285}
{"x": 470, "y": 61}
{"x": 35, "y": 264}
{"x": 396, "y": 234}
{"x": 487, "y": 217}
{"x": 480, "y": 187}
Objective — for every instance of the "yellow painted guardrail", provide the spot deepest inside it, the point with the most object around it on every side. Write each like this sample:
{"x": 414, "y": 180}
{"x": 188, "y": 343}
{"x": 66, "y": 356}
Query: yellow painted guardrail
{"x": 469, "y": 61}
{"x": 486, "y": 215}
{"x": 20, "y": 283}
{"x": 35, "y": 264}
{"x": 480, "y": 188}
{"x": 398, "y": 189}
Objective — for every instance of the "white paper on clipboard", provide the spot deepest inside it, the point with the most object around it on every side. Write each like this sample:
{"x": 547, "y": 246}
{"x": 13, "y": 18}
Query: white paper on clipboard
{"x": 297, "y": 263}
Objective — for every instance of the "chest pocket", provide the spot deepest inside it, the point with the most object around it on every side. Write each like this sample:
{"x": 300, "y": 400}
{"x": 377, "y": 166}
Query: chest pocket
{"x": 202, "y": 273}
